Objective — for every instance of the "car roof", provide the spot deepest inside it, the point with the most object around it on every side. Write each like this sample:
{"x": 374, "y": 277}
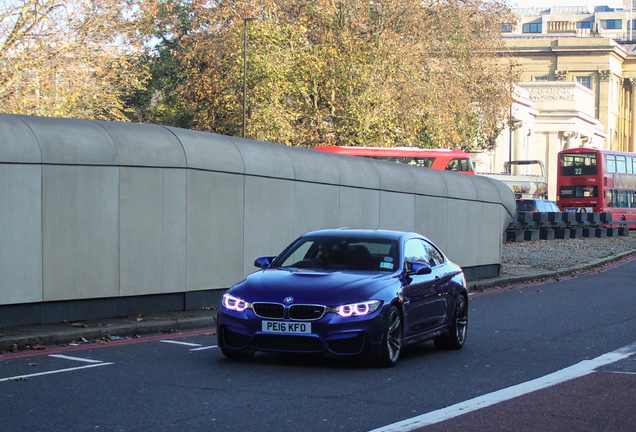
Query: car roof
{"x": 357, "y": 232}
{"x": 534, "y": 199}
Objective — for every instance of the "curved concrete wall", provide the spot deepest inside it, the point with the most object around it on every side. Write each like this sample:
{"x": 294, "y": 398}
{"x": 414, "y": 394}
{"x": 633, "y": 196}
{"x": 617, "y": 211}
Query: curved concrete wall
{"x": 95, "y": 210}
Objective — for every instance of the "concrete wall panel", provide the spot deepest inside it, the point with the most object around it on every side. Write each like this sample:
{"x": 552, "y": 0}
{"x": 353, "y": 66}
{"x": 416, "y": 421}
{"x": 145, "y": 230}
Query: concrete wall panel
{"x": 145, "y": 144}
{"x": 431, "y": 218}
{"x": 356, "y": 171}
{"x": 80, "y": 232}
{"x": 309, "y": 167}
{"x": 152, "y": 221}
{"x": 489, "y": 244}
{"x": 210, "y": 152}
{"x": 265, "y": 159}
{"x": 72, "y": 141}
{"x": 215, "y": 229}
{"x": 316, "y": 206}
{"x": 462, "y": 187}
{"x": 269, "y": 218}
{"x": 431, "y": 182}
{"x": 17, "y": 141}
{"x": 20, "y": 234}
{"x": 461, "y": 228}
{"x": 393, "y": 177}
{"x": 359, "y": 208}
{"x": 397, "y": 211}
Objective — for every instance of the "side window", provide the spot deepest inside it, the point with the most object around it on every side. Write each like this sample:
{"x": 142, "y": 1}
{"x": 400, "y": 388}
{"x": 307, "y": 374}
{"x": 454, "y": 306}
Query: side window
{"x": 418, "y": 250}
{"x": 414, "y": 251}
{"x": 453, "y": 165}
{"x": 541, "y": 206}
{"x": 435, "y": 257}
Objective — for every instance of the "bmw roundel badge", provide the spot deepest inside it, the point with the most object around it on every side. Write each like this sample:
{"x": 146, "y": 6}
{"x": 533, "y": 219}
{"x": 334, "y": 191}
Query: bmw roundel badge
{"x": 289, "y": 300}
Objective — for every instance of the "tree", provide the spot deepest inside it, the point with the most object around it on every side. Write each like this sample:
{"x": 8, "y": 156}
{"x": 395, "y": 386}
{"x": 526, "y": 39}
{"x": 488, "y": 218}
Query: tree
{"x": 430, "y": 73}
{"x": 70, "y": 58}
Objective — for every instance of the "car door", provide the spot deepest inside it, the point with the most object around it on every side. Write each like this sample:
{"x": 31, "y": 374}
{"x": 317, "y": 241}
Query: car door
{"x": 425, "y": 299}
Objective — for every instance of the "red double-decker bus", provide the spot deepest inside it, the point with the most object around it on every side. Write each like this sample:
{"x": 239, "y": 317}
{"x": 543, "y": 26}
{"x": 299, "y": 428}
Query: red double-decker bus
{"x": 593, "y": 180}
{"x": 442, "y": 159}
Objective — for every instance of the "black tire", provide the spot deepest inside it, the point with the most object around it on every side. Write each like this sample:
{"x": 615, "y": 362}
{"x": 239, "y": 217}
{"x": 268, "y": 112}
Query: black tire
{"x": 392, "y": 338}
{"x": 456, "y": 336}
{"x": 244, "y": 353}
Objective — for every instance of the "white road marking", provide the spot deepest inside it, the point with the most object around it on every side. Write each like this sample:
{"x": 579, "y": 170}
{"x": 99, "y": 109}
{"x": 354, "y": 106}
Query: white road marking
{"x": 20, "y": 377}
{"x": 180, "y": 343}
{"x": 204, "y": 348}
{"x": 62, "y": 356}
{"x": 575, "y": 371}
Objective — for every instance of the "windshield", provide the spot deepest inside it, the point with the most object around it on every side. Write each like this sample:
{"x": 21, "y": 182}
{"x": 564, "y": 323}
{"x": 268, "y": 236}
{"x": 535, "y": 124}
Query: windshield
{"x": 337, "y": 253}
{"x": 575, "y": 164}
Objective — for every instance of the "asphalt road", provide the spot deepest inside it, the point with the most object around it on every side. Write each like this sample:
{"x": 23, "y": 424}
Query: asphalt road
{"x": 182, "y": 382}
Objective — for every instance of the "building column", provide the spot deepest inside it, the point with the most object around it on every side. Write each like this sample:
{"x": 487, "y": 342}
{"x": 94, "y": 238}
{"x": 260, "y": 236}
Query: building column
{"x": 552, "y": 146}
{"x": 602, "y": 107}
{"x": 632, "y": 146}
{"x": 571, "y": 140}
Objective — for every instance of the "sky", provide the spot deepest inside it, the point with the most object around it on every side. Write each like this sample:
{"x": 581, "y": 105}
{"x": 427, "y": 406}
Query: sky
{"x": 543, "y": 3}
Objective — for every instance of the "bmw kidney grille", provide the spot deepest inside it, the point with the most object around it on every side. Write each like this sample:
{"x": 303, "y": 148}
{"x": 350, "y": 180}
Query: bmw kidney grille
{"x": 295, "y": 312}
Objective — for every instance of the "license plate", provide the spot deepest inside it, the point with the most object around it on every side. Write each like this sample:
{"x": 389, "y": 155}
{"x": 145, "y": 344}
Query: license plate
{"x": 286, "y": 327}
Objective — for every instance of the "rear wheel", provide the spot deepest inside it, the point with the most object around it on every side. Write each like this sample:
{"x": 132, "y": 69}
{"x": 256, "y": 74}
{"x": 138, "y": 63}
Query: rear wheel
{"x": 456, "y": 336}
{"x": 244, "y": 353}
{"x": 392, "y": 339}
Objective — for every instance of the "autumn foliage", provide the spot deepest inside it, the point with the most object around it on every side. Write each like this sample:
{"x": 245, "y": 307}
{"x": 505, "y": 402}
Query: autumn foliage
{"x": 430, "y": 73}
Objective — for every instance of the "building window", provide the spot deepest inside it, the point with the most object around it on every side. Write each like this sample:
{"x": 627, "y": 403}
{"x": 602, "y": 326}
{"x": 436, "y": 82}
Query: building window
{"x": 561, "y": 27}
{"x": 507, "y": 27}
{"x": 532, "y": 28}
{"x": 585, "y": 80}
{"x": 584, "y": 24}
{"x": 611, "y": 24}
{"x": 542, "y": 78}
{"x": 630, "y": 24}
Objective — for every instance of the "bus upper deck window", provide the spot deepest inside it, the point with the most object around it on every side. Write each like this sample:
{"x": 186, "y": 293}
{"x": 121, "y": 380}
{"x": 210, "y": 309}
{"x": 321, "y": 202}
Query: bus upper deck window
{"x": 578, "y": 164}
{"x": 611, "y": 164}
{"x": 621, "y": 167}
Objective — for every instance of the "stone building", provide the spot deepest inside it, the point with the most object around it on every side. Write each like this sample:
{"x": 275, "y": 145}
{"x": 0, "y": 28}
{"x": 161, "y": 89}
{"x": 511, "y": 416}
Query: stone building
{"x": 577, "y": 87}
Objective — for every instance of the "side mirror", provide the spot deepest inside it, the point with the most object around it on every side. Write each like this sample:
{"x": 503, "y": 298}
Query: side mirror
{"x": 263, "y": 262}
{"x": 418, "y": 268}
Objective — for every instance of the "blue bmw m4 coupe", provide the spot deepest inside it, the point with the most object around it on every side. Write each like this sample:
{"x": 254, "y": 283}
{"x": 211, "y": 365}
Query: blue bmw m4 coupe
{"x": 348, "y": 292}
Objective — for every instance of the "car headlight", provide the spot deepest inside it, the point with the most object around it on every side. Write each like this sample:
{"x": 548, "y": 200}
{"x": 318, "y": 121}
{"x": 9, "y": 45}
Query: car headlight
{"x": 357, "y": 309}
{"x": 234, "y": 303}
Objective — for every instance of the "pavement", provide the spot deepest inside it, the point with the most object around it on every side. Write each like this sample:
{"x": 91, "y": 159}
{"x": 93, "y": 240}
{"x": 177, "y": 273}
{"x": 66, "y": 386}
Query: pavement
{"x": 39, "y": 336}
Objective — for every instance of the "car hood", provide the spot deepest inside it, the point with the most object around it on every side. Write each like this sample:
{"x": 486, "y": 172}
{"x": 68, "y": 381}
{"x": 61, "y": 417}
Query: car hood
{"x": 312, "y": 286}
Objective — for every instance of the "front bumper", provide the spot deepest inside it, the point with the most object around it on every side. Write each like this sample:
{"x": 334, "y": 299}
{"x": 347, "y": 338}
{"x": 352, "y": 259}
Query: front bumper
{"x": 332, "y": 334}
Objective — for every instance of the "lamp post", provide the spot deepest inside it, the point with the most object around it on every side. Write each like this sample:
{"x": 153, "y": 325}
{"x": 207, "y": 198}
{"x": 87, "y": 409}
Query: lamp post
{"x": 245, "y": 20}
{"x": 510, "y": 123}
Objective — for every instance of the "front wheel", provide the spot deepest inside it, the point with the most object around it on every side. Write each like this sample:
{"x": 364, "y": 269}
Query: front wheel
{"x": 456, "y": 336}
{"x": 392, "y": 339}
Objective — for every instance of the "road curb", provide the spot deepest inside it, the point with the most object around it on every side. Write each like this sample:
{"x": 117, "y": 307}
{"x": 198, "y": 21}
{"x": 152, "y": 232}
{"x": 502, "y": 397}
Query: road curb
{"x": 37, "y": 336}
